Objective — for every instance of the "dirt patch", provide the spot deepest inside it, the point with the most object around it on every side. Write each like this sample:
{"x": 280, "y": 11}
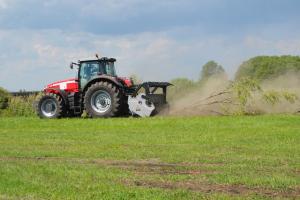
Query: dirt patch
{"x": 161, "y": 168}
{"x": 138, "y": 167}
{"x": 297, "y": 171}
{"x": 28, "y": 197}
{"x": 217, "y": 188}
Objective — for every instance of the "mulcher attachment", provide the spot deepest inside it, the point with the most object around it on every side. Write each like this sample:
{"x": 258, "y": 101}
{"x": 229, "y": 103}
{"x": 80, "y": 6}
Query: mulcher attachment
{"x": 148, "y": 98}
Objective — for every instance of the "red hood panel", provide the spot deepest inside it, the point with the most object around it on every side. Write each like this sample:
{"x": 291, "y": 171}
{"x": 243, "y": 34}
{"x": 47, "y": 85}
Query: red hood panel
{"x": 62, "y": 81}
{"x": 69, "y": 85}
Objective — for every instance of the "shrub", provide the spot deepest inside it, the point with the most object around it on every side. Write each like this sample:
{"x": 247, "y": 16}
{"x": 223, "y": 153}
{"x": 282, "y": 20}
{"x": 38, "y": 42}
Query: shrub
{"x": 4, "y": 98}
{"x": 21, "y": 106}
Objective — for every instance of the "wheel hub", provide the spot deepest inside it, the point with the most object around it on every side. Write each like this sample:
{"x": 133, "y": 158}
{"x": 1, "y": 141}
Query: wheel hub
{"x": 49, "y": 108}
{"x": 101, "y": 101}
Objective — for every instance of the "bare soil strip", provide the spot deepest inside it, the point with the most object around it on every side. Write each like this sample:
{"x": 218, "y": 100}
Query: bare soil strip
{"x": 150, "y": 167}
{"x": 138, "y": 167}
{"x": 152, "y": 163}
{"x": 217, "y": 188}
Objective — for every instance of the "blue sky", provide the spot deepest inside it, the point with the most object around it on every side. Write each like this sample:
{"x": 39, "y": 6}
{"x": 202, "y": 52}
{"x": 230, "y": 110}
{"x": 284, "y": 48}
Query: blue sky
{"x": 157, "y": 40}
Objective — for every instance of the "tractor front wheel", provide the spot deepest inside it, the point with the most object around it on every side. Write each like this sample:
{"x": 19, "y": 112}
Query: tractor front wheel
{"x": 102, "y": 99}
{"x": 50, "y": 106}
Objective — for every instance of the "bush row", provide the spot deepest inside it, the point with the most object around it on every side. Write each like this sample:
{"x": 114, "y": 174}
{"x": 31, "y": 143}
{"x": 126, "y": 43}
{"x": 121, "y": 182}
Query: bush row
{"x": 17, "y": 106}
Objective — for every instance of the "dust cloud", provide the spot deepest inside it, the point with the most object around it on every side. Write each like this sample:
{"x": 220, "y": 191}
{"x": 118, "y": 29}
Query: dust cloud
{"x": 289, "y": 82}
{"x": 198, "y": 101}
{"x": 213, "y": 98}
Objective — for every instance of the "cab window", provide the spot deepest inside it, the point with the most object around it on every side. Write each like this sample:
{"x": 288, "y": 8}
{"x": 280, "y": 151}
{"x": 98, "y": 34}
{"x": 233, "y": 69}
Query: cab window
{"x": 87, "y": 72}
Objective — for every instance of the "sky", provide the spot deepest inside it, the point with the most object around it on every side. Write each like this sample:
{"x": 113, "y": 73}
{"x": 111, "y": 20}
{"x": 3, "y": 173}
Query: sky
{"x": 158, "y": 40}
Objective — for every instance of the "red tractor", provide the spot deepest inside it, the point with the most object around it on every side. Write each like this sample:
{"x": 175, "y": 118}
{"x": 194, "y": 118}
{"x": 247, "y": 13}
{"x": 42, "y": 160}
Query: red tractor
{"x": 101, "y": 93}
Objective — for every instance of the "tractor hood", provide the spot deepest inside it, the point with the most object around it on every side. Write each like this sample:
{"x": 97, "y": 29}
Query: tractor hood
{"x": 68, "y": 85}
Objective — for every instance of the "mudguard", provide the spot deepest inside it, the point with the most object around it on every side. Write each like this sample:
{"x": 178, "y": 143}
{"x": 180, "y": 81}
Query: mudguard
{"x": 60, "y": 92}
{"x": 103, "y": 78}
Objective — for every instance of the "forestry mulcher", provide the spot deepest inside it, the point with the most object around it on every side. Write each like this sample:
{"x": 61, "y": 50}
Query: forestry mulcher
{"x": 101, "y": 93}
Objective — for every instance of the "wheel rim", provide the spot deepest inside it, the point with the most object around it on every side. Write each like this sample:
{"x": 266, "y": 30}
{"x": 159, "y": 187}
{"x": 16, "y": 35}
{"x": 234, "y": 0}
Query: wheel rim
{"x": 101, "y": 101}
{"x": 49, "y": 107}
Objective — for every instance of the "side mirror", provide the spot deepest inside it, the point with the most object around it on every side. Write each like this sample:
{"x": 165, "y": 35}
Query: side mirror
{"x": 71, "y": 65}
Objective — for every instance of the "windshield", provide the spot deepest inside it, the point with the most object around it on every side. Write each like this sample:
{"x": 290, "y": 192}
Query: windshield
{"x": 88, "y": 70}
{"x": 109, "y": 68}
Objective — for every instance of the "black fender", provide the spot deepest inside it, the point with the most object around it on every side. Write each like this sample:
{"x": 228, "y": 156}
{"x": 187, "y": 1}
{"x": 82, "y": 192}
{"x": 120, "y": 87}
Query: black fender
{"x": 105, "y": 78}
{"x": 60, "y": 92}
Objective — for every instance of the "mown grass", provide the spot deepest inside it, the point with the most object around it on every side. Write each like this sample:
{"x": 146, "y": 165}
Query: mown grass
{"x": 154, "y": 158}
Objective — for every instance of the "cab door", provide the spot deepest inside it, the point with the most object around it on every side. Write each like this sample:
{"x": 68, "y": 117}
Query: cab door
{"x": 88, "y": 70}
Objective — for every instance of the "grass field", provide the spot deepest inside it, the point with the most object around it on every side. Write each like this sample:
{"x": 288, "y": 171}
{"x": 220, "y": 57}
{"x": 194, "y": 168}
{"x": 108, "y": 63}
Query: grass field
{"x": 155, "y": 158}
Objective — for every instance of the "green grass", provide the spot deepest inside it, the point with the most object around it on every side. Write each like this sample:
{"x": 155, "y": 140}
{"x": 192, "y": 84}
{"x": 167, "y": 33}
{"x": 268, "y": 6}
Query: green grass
{"x": 154, "y": 158}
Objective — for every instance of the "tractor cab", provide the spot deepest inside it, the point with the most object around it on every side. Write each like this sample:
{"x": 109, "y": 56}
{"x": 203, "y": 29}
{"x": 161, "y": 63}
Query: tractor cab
{"x": 89, "y": 69}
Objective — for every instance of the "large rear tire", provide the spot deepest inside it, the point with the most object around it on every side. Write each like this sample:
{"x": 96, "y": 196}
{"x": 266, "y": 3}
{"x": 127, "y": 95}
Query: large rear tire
{"x": 50, "y": 106}
{"x": 102, "y": 99}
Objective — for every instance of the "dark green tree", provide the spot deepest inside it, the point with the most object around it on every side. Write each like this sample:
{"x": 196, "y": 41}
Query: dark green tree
{"x": 265, "y": 67}
{"x": 211, "y": 69}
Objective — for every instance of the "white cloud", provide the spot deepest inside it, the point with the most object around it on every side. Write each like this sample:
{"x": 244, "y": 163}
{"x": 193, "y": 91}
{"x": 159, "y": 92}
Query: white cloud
{"x": 3, "y": 4}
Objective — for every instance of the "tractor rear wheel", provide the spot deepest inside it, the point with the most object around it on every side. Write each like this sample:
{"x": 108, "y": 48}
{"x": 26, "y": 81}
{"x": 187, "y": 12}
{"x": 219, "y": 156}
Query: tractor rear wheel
{"x": 50, "y": 106}
{"x": 102, "y": 99}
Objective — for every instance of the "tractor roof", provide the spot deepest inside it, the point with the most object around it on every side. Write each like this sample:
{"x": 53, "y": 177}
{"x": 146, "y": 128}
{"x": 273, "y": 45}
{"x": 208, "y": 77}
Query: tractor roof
{"x": 100, "y": 59}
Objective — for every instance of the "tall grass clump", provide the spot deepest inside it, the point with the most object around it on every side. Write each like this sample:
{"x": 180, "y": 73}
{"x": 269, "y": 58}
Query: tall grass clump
{"x": 20, "y": 106}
